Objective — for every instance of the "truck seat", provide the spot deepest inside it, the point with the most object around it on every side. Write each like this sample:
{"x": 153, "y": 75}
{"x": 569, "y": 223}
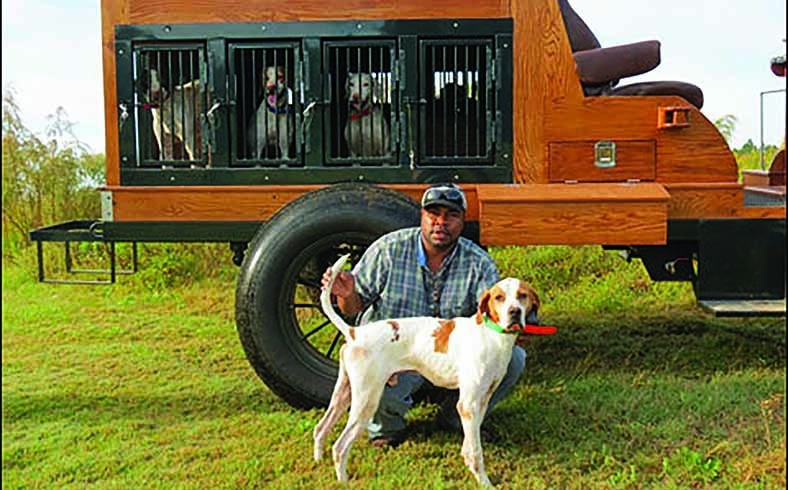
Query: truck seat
{"x": 601, "y": 68}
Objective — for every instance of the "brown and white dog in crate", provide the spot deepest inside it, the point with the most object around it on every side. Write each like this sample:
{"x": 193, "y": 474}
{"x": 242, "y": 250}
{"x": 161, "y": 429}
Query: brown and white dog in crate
{"x": 176, "y": 118}
{"x": 366, "y": 131}
{"x": 274, "y": 121}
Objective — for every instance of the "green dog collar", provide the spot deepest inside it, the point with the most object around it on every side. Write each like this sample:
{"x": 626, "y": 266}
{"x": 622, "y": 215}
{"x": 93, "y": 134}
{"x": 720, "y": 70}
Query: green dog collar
{"x": 495, "y": 327}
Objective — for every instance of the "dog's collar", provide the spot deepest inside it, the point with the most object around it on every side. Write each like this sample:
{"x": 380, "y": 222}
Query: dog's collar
{"x": 278, "y": 110}
{"x": 499, "y": 329}
{"x": 518, "y": 329}
{"x": 358, "y": 115}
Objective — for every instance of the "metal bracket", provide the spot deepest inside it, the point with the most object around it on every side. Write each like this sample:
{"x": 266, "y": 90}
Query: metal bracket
{"x": 79, "y": 231}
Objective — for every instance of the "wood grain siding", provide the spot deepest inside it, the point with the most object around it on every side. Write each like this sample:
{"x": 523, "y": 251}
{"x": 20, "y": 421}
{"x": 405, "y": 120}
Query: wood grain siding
{"x": 188, "y": 11}
{"x": 714, "y": 201}
{"x": 544, "y": 70}
{"x": 573, "y": 214}
{"x": 112, "y": 12}
{"x": 248, "y": 203}
{"x": 575, "y": 160}
{"x": 697, "y": 153}
{"x": 227, "y": 203}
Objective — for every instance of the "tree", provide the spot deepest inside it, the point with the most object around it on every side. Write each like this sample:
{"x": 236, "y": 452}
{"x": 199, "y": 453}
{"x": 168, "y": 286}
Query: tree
{"x": 749, "y": 155}
{"x": 726, "y": 126}
{"x": 45, "y": 181}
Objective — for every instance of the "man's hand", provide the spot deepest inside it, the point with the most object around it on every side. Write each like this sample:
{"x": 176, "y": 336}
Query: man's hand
{"x": 344, "y": 284}
{"x": 344, "y": 289}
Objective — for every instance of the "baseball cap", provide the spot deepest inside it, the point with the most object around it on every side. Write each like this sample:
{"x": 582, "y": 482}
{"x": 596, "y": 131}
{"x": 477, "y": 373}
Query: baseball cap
{"x": 448, "y": 195}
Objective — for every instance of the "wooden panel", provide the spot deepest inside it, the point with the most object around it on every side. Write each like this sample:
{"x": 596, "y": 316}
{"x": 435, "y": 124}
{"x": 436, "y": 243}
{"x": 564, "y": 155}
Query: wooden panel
{"x": 189, "y": 11}
{"x": 574, "y": 160}
{"x": 543, "y": 69}
{"x": 763, "y": 177}
{"x": 755, "y": 177}
{"x": 227, "y": 203}
{"x": 508, "y": 214}
{"x": 696, "y": 153}
{"x": 704, "y": 200}
{"x": 560, "y": 214}
{"x": 567, "y": 224}
{"x": 112, "y": 12}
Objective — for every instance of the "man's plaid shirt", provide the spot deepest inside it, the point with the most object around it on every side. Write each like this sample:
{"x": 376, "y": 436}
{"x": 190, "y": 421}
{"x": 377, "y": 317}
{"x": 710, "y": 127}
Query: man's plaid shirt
{"x": 394, "y": 281}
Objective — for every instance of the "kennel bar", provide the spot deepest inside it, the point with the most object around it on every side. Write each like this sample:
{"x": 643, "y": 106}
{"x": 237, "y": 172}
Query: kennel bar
{"x": 245, "y": 71}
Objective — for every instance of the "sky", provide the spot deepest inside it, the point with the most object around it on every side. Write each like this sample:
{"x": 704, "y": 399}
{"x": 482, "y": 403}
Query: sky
{"x": 51, "y": 57}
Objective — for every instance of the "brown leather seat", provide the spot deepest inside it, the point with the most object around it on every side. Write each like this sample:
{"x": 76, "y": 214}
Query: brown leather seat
{"x": 779, "y": 66}
{"x": 601, "y": 68}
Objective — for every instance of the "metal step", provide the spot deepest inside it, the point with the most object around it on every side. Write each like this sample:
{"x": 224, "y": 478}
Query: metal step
{"x": 79, "y": 231}
{"x": 744, "y": 307}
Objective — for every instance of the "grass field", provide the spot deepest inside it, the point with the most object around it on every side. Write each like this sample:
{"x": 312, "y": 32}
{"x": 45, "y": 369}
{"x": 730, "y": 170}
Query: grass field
{"x": 130, "y": 386}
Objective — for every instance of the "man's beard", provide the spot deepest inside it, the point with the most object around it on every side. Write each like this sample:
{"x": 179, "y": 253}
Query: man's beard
{"x": 443, "y": 245}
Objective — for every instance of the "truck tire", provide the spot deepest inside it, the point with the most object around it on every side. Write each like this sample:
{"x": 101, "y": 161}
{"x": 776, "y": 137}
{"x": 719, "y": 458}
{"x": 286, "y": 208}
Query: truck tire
{"x": 288, "y": 341}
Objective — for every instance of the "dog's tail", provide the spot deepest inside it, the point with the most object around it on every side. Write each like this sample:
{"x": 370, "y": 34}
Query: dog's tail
{"x": 325, "y": 299}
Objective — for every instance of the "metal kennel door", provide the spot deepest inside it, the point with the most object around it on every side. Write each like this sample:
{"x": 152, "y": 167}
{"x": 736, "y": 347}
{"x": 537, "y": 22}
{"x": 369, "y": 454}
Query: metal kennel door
{"x": 169, "y": 105}
{"x": 361, "y": 131}
{"x": 266, "y": 115}
{"x": 456, "y": 117}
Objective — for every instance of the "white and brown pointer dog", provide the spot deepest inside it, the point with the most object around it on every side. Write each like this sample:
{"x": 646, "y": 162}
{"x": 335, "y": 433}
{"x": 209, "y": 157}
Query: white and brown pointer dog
{"x": 471, "y": 354}
{"x": 274, "y": 122}
{"x": 176, "y": 117}
{"x": 366, "y": 131}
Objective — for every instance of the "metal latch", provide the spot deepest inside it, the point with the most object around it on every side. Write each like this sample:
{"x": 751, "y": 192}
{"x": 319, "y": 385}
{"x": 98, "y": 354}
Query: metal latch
{"x": 605, "y": 154}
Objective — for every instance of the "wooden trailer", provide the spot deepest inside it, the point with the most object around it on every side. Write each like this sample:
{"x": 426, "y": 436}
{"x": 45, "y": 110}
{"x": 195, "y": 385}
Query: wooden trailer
{"x": 231, "y": 121}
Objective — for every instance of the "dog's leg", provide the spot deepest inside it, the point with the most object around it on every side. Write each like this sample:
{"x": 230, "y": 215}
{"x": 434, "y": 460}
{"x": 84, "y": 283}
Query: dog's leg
{"x": 364, "y": 402}
{"x": 188, "y": 136}
{"x": 348, "y": 139}
{"x": 168, "y": 146}
{"x": 471, "y": 410}
{"x": 182, "y": 134}
{"x": 340, "y": 401}
{"x": 283, "y": 131}
{"x": 386, "y": 141}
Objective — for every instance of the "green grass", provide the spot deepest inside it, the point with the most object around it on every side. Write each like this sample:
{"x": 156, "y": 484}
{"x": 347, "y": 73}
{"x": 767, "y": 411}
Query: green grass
{"x": 140, "y": 386}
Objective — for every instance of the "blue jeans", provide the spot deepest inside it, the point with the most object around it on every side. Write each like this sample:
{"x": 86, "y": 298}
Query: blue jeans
{"x": 389, "y": 420}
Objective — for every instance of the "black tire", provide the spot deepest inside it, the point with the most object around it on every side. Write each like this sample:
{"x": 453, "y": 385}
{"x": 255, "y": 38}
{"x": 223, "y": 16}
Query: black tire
{"x": 287, "y": 339}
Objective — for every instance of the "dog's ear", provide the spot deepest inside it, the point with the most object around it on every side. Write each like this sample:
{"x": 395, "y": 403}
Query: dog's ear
{"x": 484, "y": 307}
{"x": 350, "y": 76}
{"x": 376, "y": 90}
{"x": 533, "y": 315}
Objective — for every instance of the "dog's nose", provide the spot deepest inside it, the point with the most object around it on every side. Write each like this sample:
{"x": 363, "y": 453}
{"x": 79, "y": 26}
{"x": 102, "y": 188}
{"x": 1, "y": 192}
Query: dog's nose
{"x": 515, "y": 312}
